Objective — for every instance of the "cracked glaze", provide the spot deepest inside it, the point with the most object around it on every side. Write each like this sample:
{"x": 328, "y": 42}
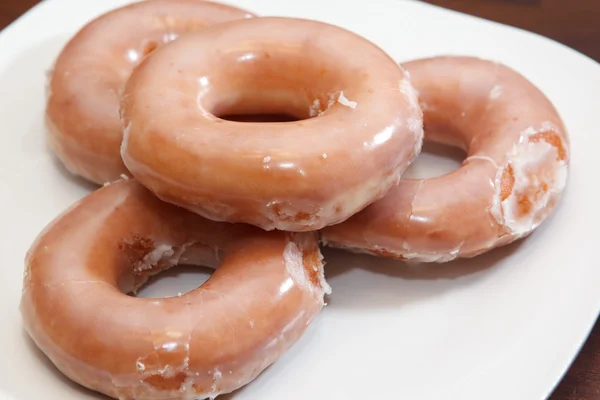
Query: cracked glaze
{"x": 514, "y": 175}
{"x": 215, "y": 339}
{"x": 359, "y": 123}
{"x": 90, "y": 73}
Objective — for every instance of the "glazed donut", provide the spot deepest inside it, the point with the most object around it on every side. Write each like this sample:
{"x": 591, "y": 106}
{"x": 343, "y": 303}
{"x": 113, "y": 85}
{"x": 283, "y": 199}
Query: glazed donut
{"x": 366, "y": 124}
{"x": 267, "y": 289}
{"x": 82, "y": 112}
{"x": 515, "y": 172}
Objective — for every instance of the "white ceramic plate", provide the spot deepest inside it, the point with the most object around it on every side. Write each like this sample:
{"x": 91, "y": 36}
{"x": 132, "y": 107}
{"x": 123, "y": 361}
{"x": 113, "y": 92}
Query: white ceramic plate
{"x": 502, "y": 326}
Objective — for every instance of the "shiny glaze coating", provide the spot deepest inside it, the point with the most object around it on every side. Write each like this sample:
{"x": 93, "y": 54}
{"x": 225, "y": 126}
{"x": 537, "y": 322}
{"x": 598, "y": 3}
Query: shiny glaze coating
{"x": 515, "y": 172}
{"x": 87, "y": 80}
{"x": 361, "y": 124}
{"x": 212, "y": 340}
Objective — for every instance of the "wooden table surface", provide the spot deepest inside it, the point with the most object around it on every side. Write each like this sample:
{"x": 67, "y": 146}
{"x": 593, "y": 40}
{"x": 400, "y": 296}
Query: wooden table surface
{"x": 575, "y": 23}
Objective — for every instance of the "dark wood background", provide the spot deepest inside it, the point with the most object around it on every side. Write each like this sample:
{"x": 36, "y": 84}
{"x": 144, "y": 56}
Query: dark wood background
{"x": 575, "y": 23}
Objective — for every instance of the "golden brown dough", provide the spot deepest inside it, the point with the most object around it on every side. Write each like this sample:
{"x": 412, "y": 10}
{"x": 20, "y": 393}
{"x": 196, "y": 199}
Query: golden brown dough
{"x": 366, "y": 124}
{"x": 514, "y": 175}
{"x": 268, "y": 288}
{"x": 86, "y": 83}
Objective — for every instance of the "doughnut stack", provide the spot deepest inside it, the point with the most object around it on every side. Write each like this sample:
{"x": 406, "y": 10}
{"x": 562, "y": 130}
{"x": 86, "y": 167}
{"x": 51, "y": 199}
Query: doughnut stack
{"x": 243, "y": 143}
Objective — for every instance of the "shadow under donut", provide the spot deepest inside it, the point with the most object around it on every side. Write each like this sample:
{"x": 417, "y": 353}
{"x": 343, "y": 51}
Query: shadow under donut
{"x": 365, "y": 281}
{"x": 70, "y": 177}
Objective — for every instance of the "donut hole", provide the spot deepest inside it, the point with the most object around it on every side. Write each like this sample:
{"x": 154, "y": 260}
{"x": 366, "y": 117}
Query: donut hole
{"x": 160, "y": 270}
{"x": 282, "y": 117}
{"x": 175, "y": 281}
{"x": 266, "y": 106}
{"x": 435, "y": 160}
{"x": 273, "y": 86}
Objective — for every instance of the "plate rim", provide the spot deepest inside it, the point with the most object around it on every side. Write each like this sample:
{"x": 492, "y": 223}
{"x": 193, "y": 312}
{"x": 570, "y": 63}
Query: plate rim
{"x": 22, "y": 21}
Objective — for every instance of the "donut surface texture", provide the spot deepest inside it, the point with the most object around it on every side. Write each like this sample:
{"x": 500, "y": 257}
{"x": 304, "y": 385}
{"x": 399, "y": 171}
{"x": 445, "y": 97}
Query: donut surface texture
{"x": 513, "y": 177}
{"x": 360, "y": 123}
{"x": 84, "y": 91}
{"x": 267, "y": 288}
